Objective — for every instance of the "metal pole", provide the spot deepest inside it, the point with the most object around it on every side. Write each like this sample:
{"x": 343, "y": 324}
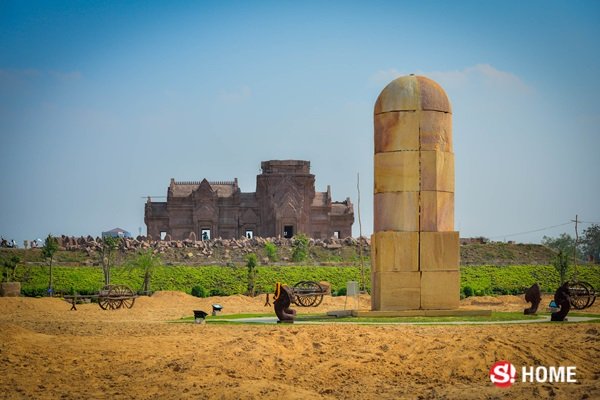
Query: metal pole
{"x": 575, "y": 249}
{"x": 360, "y": 250}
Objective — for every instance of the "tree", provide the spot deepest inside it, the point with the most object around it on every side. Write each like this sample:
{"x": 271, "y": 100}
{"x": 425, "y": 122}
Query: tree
{"x": 146, "y": 262}
{"x": 109, "y": 245}
{"x": 48, "y": 250}
{"x": 300, "y": 248}
{"x": 251, "y": 264}
{"x": 564, "y": 242}
{"x": 590, "y": 242}
{"x": 561, "y": 263}
{"x": 271, "y": 251}
{"x": 10, "y": 266}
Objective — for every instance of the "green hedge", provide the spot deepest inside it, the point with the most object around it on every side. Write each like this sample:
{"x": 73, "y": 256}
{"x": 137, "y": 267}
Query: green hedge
{"x": 232, "y": 280}
{"x": 487, "y": 279}
{"x": 217, "y": 280}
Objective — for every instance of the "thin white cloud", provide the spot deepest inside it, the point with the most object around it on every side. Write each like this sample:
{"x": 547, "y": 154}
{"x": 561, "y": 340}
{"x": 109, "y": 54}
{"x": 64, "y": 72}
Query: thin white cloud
{"x": 236, "y": 96}
{"x": 481, "y": 74}
{"x": 385, "y": 76}
{"x": 485, "y": 74}
{"x": 65, "y": 76}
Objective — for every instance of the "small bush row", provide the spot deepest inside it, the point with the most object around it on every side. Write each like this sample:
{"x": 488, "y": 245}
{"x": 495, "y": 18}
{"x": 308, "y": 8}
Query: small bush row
{"x": 468, "y": 291}
{"x": 231, "y": 280}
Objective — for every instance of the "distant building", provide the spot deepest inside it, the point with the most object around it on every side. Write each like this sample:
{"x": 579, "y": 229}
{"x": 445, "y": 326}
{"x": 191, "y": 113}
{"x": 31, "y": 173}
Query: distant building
{"x": 285, "y": 203}
{"x": 117, "y": 232}
{"x": 474, "y": 240}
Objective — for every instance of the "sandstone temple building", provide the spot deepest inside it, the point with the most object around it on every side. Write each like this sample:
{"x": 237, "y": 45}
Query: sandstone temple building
{"x": 285, "y": 203}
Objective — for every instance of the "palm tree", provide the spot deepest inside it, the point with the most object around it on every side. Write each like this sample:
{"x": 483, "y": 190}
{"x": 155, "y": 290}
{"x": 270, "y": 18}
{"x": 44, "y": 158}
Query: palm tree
{"x": 50, "y": 247}
{"x": 146, "y": 262}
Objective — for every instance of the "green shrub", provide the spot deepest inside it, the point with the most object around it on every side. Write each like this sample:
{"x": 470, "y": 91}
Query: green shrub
{"x": 9, "y": 267}
{"x": 219, "y": 292}
{"x": 34, "y": 292}
{"x": 271, "y": 251}
{"x": 500, "y": 291}
{"x": 199, "y": 291}
{"x": 468, "y": 291}
{"x": 516, "y": 278}
{"x": 300, "y": 248}
{"x": 341, "y": 291}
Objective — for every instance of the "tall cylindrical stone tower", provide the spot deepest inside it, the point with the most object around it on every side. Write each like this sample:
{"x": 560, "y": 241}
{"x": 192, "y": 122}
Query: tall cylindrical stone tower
{"x": 415, "y": 250}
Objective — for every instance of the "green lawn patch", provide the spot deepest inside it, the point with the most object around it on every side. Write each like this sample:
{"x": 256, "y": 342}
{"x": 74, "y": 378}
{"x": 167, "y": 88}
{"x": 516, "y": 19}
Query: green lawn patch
{"x": 495, "y": 317}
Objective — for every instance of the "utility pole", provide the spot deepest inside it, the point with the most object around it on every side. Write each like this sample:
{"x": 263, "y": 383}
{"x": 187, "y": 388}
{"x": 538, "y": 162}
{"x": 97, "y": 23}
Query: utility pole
{"x": 575, "y": 247}
{"x": 360, "y": 247}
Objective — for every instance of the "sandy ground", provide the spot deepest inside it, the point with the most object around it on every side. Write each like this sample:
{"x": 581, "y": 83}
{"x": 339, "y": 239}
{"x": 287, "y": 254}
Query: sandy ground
{"x": 48, "y": 351}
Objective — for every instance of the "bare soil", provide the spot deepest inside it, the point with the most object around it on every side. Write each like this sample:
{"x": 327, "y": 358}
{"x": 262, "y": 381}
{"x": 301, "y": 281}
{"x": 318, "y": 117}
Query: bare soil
{"x": 48, "y": 351}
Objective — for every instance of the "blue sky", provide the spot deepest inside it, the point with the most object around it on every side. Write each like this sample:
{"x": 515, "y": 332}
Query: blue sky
{"x": 101, "y": 103}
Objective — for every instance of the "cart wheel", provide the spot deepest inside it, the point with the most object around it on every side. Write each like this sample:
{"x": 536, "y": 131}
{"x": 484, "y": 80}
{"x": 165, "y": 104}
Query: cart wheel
{"x": 129, "y": 302}
{"x": 318, "y": 300}
{"x": 309, "y": 294}
{"x": 121, "y": 295}
{"x": 103, "y": 302}
{"x": 579, "y": 294}
{"x": 304, "y": 301}
{"x": 103, "y": 299}
{"x": 592, "y": 294}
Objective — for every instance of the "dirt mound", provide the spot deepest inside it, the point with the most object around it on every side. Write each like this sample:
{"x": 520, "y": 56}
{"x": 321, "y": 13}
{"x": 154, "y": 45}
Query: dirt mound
{"x": 30, "y": 304}
{"x": 11, "y": 331}
{"x": 170, "y": 295}
{"x": 498, "y": 303}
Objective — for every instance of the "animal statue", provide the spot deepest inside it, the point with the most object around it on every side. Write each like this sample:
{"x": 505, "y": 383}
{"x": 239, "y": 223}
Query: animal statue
{"x": 562, "y": 300}
{"x": 282, "y": 301}
{"x": 533, "y": 295}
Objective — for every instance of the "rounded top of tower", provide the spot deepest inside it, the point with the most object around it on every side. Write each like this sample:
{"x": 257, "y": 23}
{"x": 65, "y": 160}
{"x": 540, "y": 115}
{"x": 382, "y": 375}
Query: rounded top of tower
{"x": 412, "y": 93}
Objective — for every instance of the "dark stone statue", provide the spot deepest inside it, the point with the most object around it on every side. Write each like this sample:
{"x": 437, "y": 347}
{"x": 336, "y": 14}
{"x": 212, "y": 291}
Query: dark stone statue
{"x": 533, "y": 295}
{"x": 562, "y": 300}
{"x": 283, "y": 300}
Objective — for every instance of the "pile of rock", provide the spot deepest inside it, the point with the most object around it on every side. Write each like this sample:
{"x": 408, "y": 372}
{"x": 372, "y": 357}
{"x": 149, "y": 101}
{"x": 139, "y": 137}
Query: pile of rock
{"x": 201, "y": 248}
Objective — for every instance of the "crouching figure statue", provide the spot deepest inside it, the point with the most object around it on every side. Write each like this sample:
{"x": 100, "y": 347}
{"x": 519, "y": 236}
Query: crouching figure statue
{"x": 533, "y": 295}
{"x": 282, "y": 301}
{"x": 563, "y": 300}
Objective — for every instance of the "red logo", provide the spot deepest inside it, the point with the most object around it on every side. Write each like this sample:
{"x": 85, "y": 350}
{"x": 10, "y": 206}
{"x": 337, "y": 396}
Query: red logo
{"x": 502, "y": 374}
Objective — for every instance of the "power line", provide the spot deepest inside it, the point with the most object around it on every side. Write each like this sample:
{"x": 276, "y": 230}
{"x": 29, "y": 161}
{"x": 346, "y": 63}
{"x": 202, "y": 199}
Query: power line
{"x": 533, "y": 231}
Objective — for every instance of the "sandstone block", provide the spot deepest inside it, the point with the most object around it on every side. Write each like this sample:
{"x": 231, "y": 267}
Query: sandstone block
{"x": 395, "y": 290}
{"x": 399, "y": 95}
{"x": 10, "y": 289}
{"x": 439, "y": 251}
{"x": 440, "y": 290}
{"x": 397, "y": 172}
{"x": 396, "y": 211}
{"x": 433, "y": 97}
{"x": 437, "y": 211}
{"x": 395, "y": 252}
{"x": 435, "y": 131}
{"x": 437, "y": 171}
{"x": 398, "y": 130}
